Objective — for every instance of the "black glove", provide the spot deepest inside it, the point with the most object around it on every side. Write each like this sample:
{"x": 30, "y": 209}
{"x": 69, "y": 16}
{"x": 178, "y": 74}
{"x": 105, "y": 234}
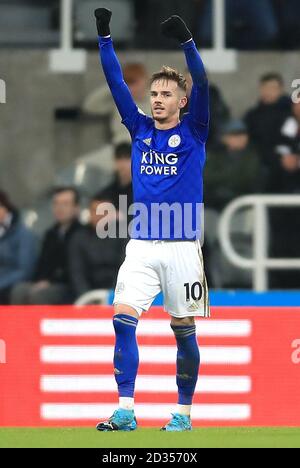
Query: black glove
{"x": 176, "y": 28}
{"x": 103, "y": 17}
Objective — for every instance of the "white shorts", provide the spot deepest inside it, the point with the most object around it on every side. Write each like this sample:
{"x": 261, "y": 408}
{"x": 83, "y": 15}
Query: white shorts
{"x": 173, "y": 267}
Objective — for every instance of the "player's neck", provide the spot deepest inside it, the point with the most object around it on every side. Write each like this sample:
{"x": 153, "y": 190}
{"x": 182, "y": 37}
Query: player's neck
{"x": 167, "y": 125}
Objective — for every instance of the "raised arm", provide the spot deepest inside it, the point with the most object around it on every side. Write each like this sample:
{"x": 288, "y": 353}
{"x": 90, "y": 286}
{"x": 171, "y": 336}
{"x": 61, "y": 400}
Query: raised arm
{"x": 199, "y": 99}
{"x": 176, "y": 28}
{"x": 112, "y": 69}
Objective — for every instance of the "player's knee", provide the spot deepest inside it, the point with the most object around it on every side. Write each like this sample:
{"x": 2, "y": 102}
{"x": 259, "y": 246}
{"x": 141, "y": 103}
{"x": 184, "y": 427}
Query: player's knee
{"x": 125, "y": 309}
{"x": 185, "y": 321}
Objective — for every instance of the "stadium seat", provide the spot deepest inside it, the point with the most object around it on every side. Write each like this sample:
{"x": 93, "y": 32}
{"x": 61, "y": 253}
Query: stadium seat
{"x": 122, "y": 26}
{"x": 38, "y": 217}
{"x": 26, "y": 25}
{"x": 99, "y": 296}
{"x": 87, "y": 178}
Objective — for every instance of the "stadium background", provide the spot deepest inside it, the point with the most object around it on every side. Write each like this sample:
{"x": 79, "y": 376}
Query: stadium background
{"x": 55, "y": 360}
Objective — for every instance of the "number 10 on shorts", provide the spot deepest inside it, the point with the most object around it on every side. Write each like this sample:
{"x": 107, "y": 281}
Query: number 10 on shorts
{"x": 194, "y": 291}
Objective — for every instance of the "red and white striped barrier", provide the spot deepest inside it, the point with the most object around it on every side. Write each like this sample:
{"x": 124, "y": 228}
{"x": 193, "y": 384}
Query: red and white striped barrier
{"x": 59, "y": 369}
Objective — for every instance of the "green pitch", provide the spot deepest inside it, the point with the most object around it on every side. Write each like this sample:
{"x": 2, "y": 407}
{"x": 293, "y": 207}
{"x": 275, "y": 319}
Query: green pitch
{"x": 151, "y": 438}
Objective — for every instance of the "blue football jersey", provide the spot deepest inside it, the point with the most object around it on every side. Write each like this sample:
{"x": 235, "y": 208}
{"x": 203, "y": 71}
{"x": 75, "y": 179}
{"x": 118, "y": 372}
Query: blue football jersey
{"x": 167, "y": 168}
{"x": 167, "y": 165}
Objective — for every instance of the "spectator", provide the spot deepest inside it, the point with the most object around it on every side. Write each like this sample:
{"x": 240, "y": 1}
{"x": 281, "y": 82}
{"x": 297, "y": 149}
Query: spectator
{"x": 233, "y": 169}
{"x": 219, "y": 111}
{"x": 52, "y": 280}
{"x": 285, "y": 222}
{"x": 151, "y": 13}
{"x": 288, "y": 12}
{"x": 266, "y": 119}
{"x": 94, "y": 262}
{"x": 100, "y": 102}
{"x": 17, "y": 249}
{"x": 249, "y": 24}
{"x": 122, "y": 182}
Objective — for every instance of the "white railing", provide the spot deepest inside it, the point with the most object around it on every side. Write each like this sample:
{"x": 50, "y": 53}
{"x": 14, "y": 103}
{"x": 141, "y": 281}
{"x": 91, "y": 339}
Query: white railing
{"x": 99, "y": 296}
{"x": 66, "y": 22}
{"x": 219, "y": 25}
{"x": 260, "y": 263}
{"x": 66, "y": 59}
{"x": 219, "y": 59}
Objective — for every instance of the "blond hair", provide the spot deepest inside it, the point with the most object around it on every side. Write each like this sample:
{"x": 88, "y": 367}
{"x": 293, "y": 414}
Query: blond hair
{"x": 170, "y": 74}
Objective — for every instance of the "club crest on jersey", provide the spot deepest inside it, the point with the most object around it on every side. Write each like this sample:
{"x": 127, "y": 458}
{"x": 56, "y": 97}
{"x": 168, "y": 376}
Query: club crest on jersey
{"x": 148, "y": 141}
{"x": 174, "y": 141}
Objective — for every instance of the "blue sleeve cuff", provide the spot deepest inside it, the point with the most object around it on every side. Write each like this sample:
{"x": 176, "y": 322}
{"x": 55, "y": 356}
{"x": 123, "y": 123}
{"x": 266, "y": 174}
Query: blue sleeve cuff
{"x": 189, "y": 45}
{"x": 104, "y": 40}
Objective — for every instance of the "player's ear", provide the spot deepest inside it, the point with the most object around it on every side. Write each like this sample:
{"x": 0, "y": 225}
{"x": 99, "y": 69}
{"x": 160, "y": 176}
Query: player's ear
{"x": 183, "y": 102}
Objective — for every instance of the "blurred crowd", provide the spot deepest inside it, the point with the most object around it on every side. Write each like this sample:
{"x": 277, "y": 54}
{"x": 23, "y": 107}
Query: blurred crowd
{"x": 259, "y": 153}
{"x": 71, "y": 259}
{"x": 250, "y": 25}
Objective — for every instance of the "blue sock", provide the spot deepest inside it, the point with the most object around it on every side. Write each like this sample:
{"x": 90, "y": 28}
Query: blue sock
{"x": 188, "y": 362}
{"x": 126, "y": 357}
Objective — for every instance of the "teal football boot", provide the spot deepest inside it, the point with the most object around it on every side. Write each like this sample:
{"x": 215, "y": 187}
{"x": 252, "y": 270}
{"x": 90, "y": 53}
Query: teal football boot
{"x": 121, "y": 420}
{"x": 178, "y": 423}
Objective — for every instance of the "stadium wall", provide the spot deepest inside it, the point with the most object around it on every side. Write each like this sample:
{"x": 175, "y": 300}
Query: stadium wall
{"x": 33, "y": 147}
{"x": 57, "y": 368}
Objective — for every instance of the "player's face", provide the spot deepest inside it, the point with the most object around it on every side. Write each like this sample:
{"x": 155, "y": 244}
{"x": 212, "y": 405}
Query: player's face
{"x": 166, "y": 100}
